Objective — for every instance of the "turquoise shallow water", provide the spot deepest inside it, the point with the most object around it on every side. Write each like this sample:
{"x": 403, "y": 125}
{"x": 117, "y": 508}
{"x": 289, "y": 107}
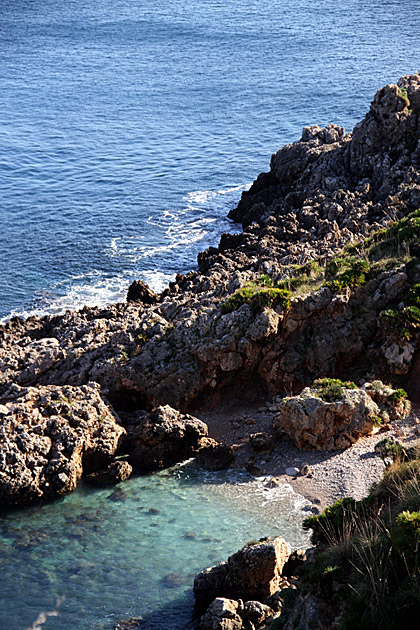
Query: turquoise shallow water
{"x": 133, "y": 550}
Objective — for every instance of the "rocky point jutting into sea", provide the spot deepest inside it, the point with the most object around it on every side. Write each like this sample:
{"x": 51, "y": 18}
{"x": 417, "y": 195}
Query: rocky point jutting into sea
{"x": 322, "y": 283}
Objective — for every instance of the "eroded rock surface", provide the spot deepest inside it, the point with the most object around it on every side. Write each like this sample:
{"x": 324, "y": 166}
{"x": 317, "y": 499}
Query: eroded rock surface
{"x": 162, "y": 438}
{"x": 185, "y": 348}
{"x": 253, "y": 573}
{"x": 315, "y": 421}
{"x": 326, "y": 190}
{"x": 214, "y": 455}
{"x": 50, "y": 436}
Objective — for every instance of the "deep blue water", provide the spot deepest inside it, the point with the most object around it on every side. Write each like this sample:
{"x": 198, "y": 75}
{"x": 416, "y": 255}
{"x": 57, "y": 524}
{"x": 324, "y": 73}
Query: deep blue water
{"x": 128, "y": 129}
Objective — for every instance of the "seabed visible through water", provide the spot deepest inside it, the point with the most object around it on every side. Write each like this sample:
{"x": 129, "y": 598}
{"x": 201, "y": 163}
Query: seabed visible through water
{"x": 134, "y": 550}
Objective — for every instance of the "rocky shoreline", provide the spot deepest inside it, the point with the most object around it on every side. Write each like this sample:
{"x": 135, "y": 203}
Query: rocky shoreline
{"x": 323, "y": 281}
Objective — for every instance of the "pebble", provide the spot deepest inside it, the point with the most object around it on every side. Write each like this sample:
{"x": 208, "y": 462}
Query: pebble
{"x": 292, "y": 472}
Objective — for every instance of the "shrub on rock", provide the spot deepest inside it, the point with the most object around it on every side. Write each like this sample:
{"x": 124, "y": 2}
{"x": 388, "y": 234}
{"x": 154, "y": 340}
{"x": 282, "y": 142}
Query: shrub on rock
{"x": 333, "y": 414}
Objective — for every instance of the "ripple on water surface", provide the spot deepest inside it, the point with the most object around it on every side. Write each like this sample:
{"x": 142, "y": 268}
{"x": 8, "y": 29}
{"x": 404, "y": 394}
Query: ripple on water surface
{"x": 134, "y": 550}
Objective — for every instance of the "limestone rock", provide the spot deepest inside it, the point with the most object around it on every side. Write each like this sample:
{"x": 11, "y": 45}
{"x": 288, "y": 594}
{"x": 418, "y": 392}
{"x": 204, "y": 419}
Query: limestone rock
{"x": 114, "y": 473}
{"x": 50, "y": 437}
{"x": 393, "y": 404}
{"x": 214, "y": 455}
{"x": 322, "y": 192}
{"x": 399, "y": 356}
{"x": 311, "y": 613}
{"x": 256, "y": 612}
{"x": 163, "y": 437}
{"x": 222, "y": 614}
{"x": 295, "y": 560}
{"x": 252, "y": 573}
{"x": 313, "y": 423}
{"x": 139, "y": 291}
{"x": 209, "y": 584}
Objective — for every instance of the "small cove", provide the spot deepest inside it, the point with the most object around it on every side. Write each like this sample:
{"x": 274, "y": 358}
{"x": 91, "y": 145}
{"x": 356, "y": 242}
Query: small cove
{"x": 134, "y": 550}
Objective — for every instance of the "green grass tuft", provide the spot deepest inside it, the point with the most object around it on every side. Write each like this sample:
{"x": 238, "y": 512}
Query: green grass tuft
{"x": 258, "y": 297}
{"x": 331, "y": 389}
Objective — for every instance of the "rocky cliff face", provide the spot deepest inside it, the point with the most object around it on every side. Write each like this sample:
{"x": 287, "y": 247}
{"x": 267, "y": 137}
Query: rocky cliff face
{"x": 323, "y": 192}
{"x": 233, "y": 322}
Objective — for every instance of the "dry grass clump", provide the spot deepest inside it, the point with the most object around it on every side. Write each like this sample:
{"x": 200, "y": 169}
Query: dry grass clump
{"x": 369, "y": 553}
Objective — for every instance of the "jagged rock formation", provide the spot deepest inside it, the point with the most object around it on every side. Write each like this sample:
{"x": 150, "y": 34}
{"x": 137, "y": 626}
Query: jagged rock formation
{"x": 244, "y": 590}
{"x": 331, "y": 187}
{"x": 116, "y": 471}
{"x": 202, "y": 339}
{"x": 50, "y": 436}
{"x": 229, "y": 614}
{"x": 162, "y": 437}
{"x": 252, "y": 573}
{"x": 139, "y": 291}
{"x": 214, "y": 455}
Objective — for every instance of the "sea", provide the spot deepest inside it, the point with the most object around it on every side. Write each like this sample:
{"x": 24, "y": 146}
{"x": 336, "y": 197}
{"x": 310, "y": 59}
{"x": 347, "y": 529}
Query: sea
{"x": 128, "y": 130}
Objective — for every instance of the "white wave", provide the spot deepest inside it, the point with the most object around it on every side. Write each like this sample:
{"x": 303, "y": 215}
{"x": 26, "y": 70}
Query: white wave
{"x": 89, "y": 290}
{"x": 180, "y": 234}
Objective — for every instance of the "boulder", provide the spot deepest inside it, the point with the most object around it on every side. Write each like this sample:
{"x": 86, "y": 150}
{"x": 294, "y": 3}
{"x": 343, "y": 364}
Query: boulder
{"x": 222, "y": 614}
{"x": 393, "y": 403}
{"x": 256, "y": 612}
{"x": 313, "y": 423}
{"x": 214, "y": 455}
{"x": 139, "y": 291}
{"x": 252, "y": 573}
{"x": 114, "y": 473}
{"x": 50, "y": 437}
{"x": 261, "y": 442}
{"x": 209, "y": 584}
{"x": 163, "y": 437}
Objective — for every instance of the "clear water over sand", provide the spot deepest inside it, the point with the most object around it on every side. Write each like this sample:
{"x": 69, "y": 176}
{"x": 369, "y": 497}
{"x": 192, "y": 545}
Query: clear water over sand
{"x": 135, "y": 549}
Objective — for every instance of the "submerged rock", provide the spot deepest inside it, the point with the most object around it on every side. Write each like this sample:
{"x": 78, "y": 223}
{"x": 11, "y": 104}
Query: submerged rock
{"x": 134, "y": 623}
{"x": 174, "y": 580}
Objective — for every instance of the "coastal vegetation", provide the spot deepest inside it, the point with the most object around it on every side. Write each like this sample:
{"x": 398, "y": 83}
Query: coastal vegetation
{"x": 387, "y": 249}
{"x": 258, "y": 295}
{"x": 322, "y": 287}
{"x": 330, "y": 389}
{"x": 368, "y": 552}
{"x": 364, "y": 260}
